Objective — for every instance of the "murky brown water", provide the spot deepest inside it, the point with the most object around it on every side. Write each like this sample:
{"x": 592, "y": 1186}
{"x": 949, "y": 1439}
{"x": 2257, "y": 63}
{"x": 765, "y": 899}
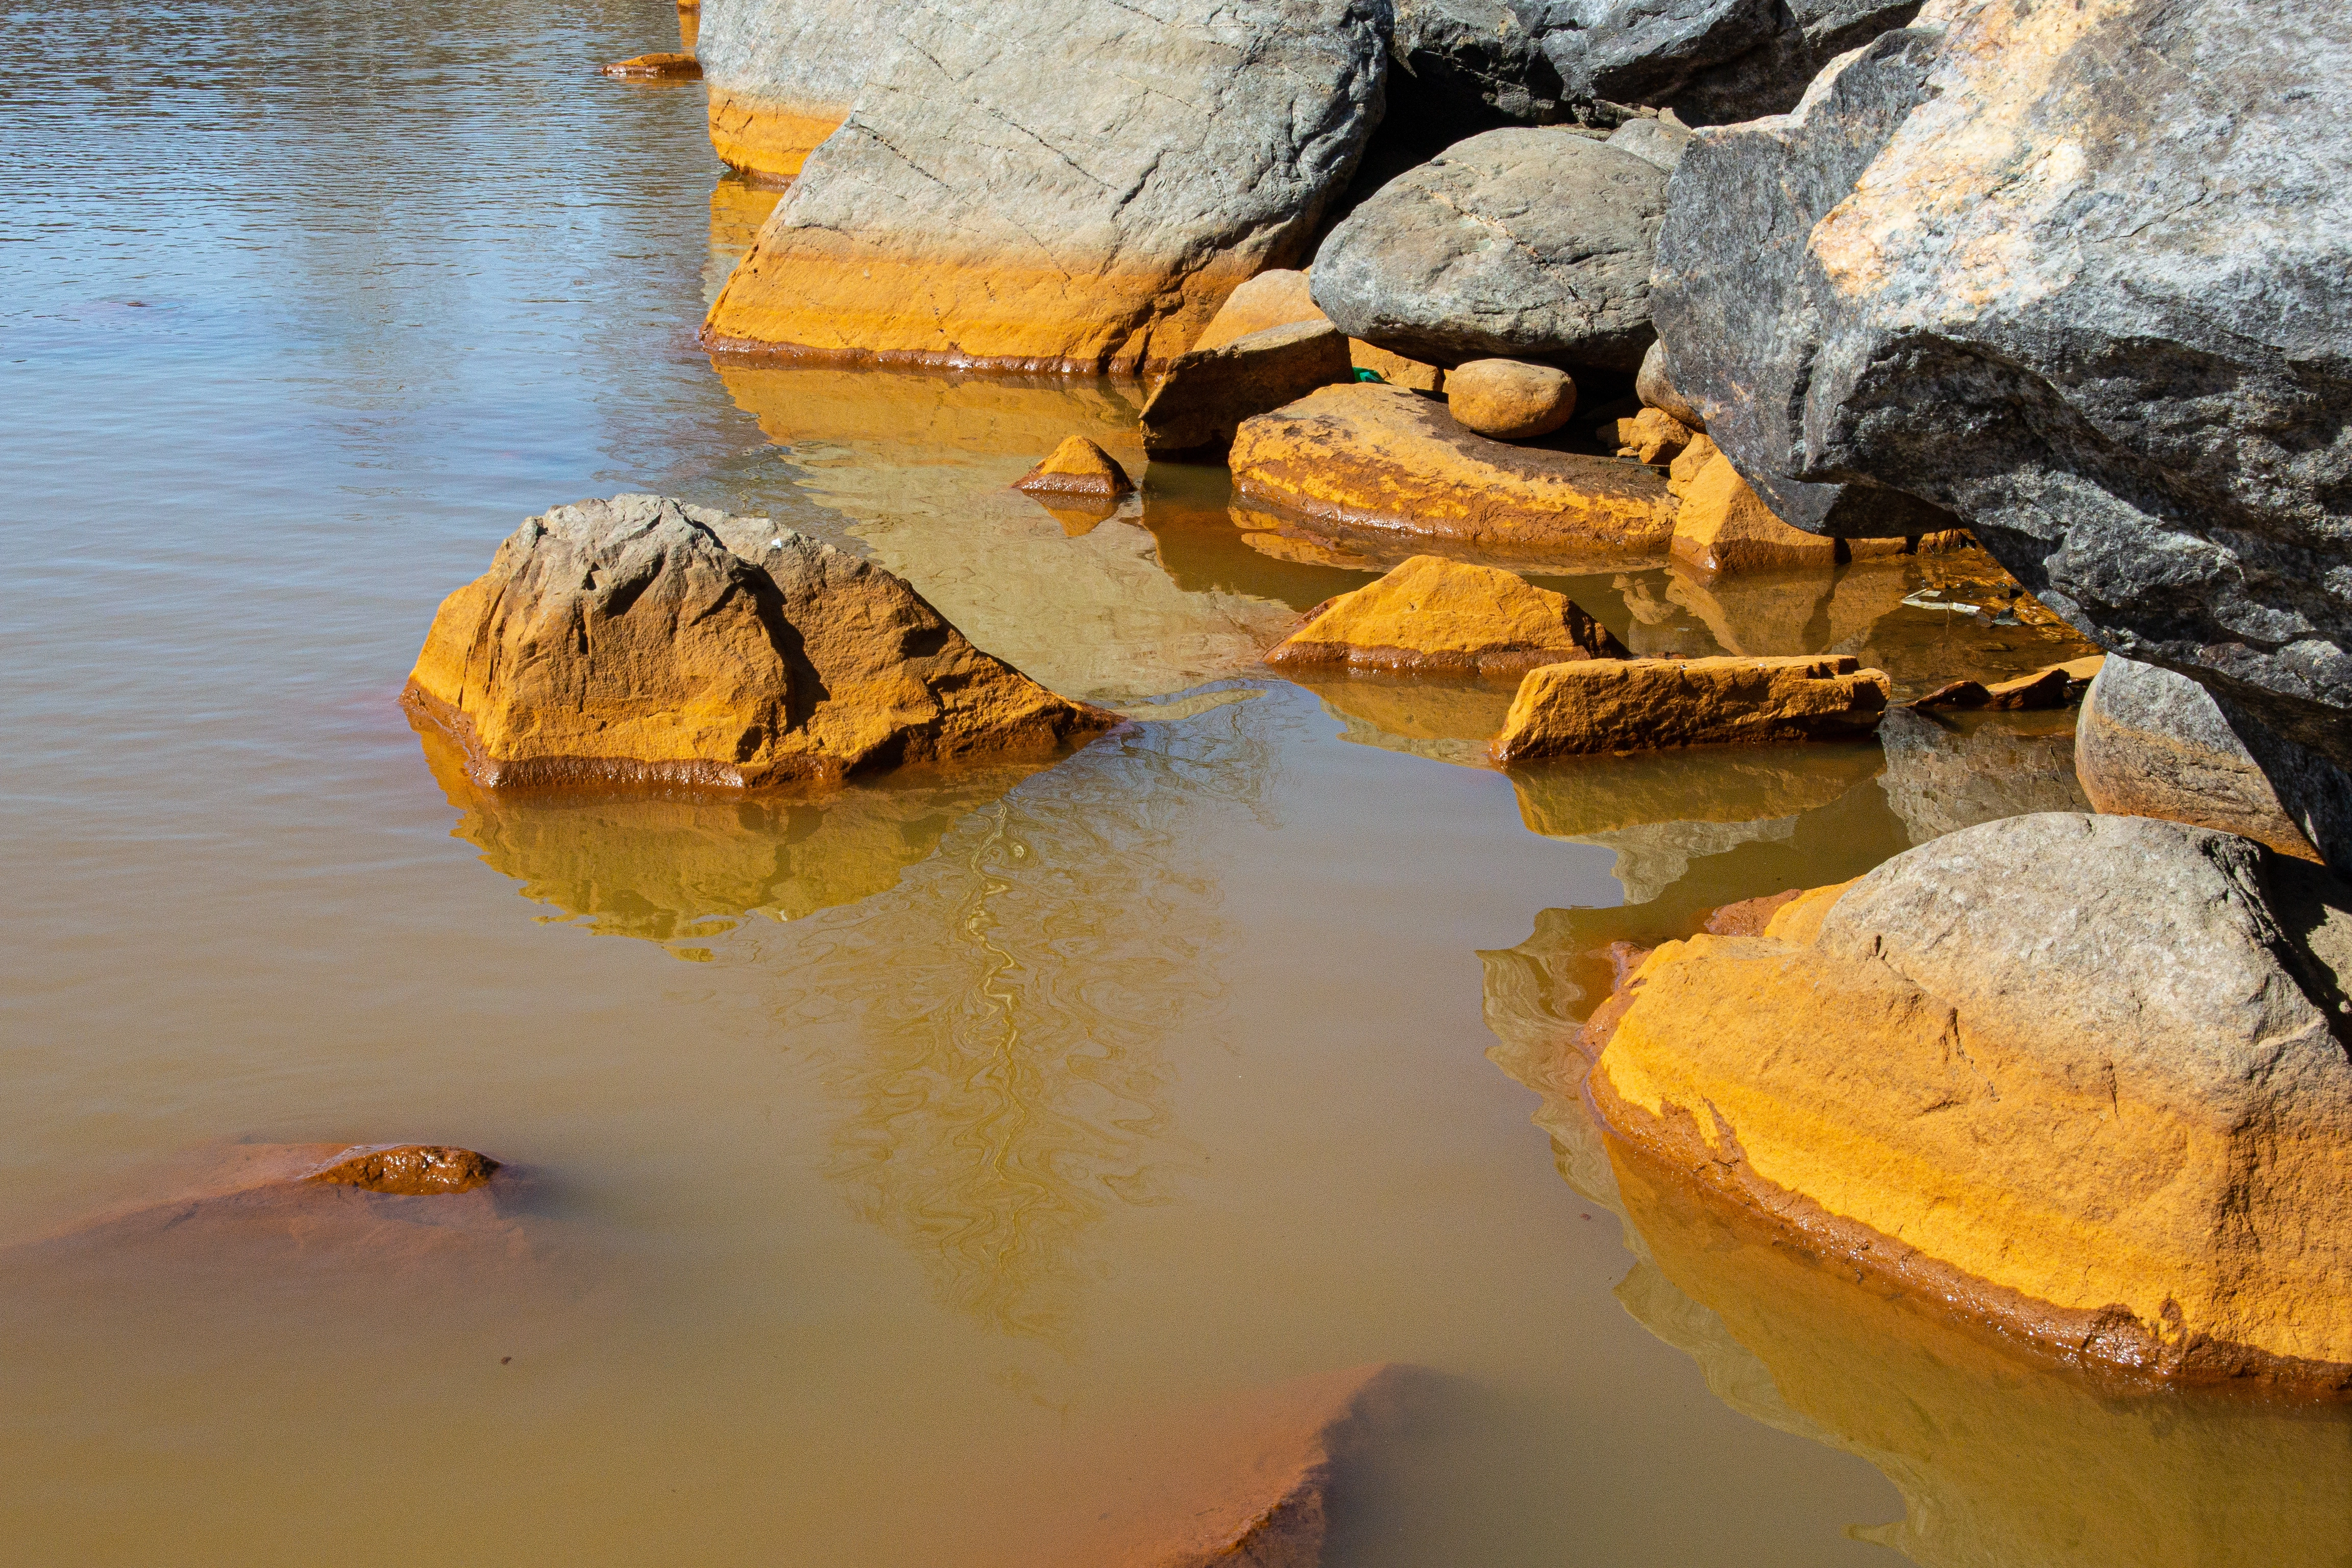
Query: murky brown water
{"x": 882, "y": 1160}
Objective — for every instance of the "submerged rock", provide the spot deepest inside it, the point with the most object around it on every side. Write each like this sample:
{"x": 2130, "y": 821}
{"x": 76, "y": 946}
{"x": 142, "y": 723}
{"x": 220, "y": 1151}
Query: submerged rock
{"x": 1067, "y": 187}
{"x": 1077, "y": 468}
{"x": 1510, "y": 399}
{"x": 670, "y": 67}
{"x": 641, "y": 640}
{"x": 1374, "y": 457}
{"x": 408, "y": 1170}
{"x": 2083, "y": 1078}
{"x": 2153, "y": 743}
{"x": 1435, "y": 615}
{"x": 2098, "y": 309}
{"x": 1722, "y": 525}
{"x": 1942, "y": 777}
{"x": 1643, "y": 705}
{"x": 1519, "y": 244}
{"x": 1209, "y": 391}
{"x": 1710, "y": 61}
{"x": 784, "y": 74}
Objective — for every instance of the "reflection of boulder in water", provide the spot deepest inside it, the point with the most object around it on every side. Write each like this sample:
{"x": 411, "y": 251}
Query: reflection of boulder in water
{"x": 2000, "y": 1459}
{"x": 1941, "y": 777}
{"x": 676, "y": 865}
{"x": 1661, "y": 811}
{"x": 1006, "y": 1087}
{"x": 1449, "y": 722}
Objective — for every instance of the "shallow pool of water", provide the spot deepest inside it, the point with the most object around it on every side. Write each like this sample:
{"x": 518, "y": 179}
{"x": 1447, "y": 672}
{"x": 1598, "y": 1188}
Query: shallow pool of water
{"x": 881, "y": 1163}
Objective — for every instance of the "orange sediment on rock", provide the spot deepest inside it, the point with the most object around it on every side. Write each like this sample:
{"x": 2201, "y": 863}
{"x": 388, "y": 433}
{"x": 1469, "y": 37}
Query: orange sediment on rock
{"x": 1376, "y": 457}
{"x": 769, "y": 139}
{"x": 1432, "y": 614}
{"x": 1641, "y": 705}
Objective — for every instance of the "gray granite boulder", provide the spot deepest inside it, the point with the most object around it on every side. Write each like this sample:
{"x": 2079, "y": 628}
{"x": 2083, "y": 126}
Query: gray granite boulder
{"x": 1519, "y": 244}
{"x": 782, "y": 73}
{"x": 1661, "y": 142}
{"x": 1710, "y": 61}
{"x": 1460, "y": 67}
{"x": 2100, "y": 308}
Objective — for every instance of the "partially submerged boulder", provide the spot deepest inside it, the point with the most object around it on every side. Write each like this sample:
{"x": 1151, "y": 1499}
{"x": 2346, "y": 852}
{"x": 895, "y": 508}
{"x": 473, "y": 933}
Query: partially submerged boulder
{"x": 2083, "y": 1078}
{"x": 407, "y": 1170}
{"x": 1370, "y": 455}
{"x": 1077, "y": 468}
{"x": 1641, "y": 705}
{"x": 2153, "y": 743}
{"x": 784, "y": 74}
{"x": 1520, "y": 244}
{"x": 1280, "y": 296}
{"x": 643, "y": 640}
{"x": 1511, "y": 399}
{"x": 1066, "y": 187}
{"x": 1989, "y": 286}
{"x": 1709, "y": 60}
{"x": 1209, "y": 391}
{"x": 1431, "y": 614}
{"x": 2052, "y": 686}
{"x": 656, "y": 68}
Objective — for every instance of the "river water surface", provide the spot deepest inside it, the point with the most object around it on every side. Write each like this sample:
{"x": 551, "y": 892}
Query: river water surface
{"x": 883, "y": 1164}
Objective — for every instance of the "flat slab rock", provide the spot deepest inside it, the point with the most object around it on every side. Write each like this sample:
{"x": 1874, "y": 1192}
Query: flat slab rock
{"x": 641, "y": 640}
{"x": 2083, "y": 1078}
{"x": 1067, "y": 187}
{"x": 1435, "y": 616}
{"x": 1375, "y": 456}
{"x": 1651, "y": 704}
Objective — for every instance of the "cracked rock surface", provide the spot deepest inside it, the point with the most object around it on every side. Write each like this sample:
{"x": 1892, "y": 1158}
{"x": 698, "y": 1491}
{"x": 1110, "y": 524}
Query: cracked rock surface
{"x": 1709, "y": 60}
{"x": 1073, "y": 187}
{"x": 784, "y": 73}
{"x": 1516, "y": 244}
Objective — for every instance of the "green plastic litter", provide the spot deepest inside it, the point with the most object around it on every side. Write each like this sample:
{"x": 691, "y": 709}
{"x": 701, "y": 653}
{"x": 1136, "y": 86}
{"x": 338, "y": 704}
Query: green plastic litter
{"x": 1369, "y": 375}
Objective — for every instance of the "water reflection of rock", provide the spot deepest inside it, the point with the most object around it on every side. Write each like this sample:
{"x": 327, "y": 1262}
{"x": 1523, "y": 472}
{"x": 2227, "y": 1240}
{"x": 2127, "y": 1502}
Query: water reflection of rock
{"x": 917, "y": 468}
{"x": 679, "y": 865}
{"x": 1007, "y": 1087}
{"x": 1946, "y": 773}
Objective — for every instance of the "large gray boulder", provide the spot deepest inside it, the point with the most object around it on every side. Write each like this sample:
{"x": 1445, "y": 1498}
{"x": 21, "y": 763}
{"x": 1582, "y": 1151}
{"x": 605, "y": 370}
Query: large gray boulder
{"x": 1459, "y": 67}
{"x": 2101, "y": 309}
{"x": 782, "y": 73}
{"x": 1517, "y": 244}
{"x": 1074, "y": 186}
{"x": 1732, "y": 273}
{"x": 1710, "y": 61}
{"x": 2153, "y": 743}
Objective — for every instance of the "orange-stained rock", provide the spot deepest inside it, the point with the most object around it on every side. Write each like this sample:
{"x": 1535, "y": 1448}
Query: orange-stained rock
{"x": 1373, "y": 456}
{"x": 2051, "y": 686}
{"x": 2079, "y": 1076}
{"x": 1640, "y": 705}
{"x": 769, "y": 139}
{"x": 1722, "y": 525}
{"x": 669, "y": 66}
{"x": 1279, "y": 296}
{"x": 1432, "y": 614}
{"x": 641, "y": 640}
{"x": 1073, "y": 187}
{"x": 1209, "y": 391}
{"x": 1510, "y": 399}
{"x": 785, "y": 73}
{"x": 411, "y": 1170}
{"x": 1077, "y": 468}
{"x": 1653, "y": 436}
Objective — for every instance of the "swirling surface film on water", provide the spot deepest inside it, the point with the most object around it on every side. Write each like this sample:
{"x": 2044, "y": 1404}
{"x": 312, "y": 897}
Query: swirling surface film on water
{"x": 880, "y": 1165}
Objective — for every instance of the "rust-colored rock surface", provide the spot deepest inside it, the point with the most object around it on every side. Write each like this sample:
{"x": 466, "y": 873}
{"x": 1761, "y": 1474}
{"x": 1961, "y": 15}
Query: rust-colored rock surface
{"x": 1077, "y": 468}
{"x": 1279, "y": 296}
{"x": 657, "y": 67}
{"x": 1641, "y": 705}
{"x": 1373, "y": 456}
{"x": 784, "y": 74}
{"x": 1653, "y": 436}
{"x": 1435, "y": 615}
{"x": 642, "y": 640}
{"x": 1208, "y": 392}
{"x": 2083, "y": 1078}
{"x": 1510, "y": 399}
{"x": 2051, "y": 686}
{"x": 1722, "y": 525}
{"x": 409, "y": 1170}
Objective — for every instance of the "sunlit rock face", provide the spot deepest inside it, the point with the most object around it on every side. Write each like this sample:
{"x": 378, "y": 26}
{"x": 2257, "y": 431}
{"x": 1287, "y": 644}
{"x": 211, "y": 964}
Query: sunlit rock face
{"x": 1068, "y": 187}
{"x": 2077, "y": 275}
{"x": 784, "y": 73}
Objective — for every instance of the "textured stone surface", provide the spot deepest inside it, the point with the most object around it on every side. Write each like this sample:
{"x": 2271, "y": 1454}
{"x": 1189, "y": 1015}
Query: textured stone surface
{"x": 784, "y": 73}
{"x": 1459, "y": 67}
{"x": 2051, "y": 686}
{"x": 2153, "y": 743}
{"x": 1279, "y": 296}
{"x": 1074, "y": 186}
{"x": 1653, "y": 436}
{"x": 2099, "y": 308}
{"x": 1643, "y": 705}
{"x": 410, "y": 1170}
{"x": 639, "y": 639}
{"x": 1510, "y": 399}
{"x": 1661, "y": 142}
{"x": 1942, "y": 777}
{"x": 1435, "y": 615}
{"x": 1710, "y": 61}
{"x": 1730, "y": 267}
{"x": 1209, "y": 391}
{"x": 1077, "y": 468}
{"x": 2076, "y": 1074}
{"x": 1374, "y": 457}
{"x": 1722, "y": 525}
{"x": 1520, "y": 244}
{"x": 1654, "y": 383}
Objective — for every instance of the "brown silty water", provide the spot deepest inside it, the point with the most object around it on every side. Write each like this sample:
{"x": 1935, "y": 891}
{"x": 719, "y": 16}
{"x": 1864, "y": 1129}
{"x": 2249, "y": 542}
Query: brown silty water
{"x": 889, "y": 1176}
